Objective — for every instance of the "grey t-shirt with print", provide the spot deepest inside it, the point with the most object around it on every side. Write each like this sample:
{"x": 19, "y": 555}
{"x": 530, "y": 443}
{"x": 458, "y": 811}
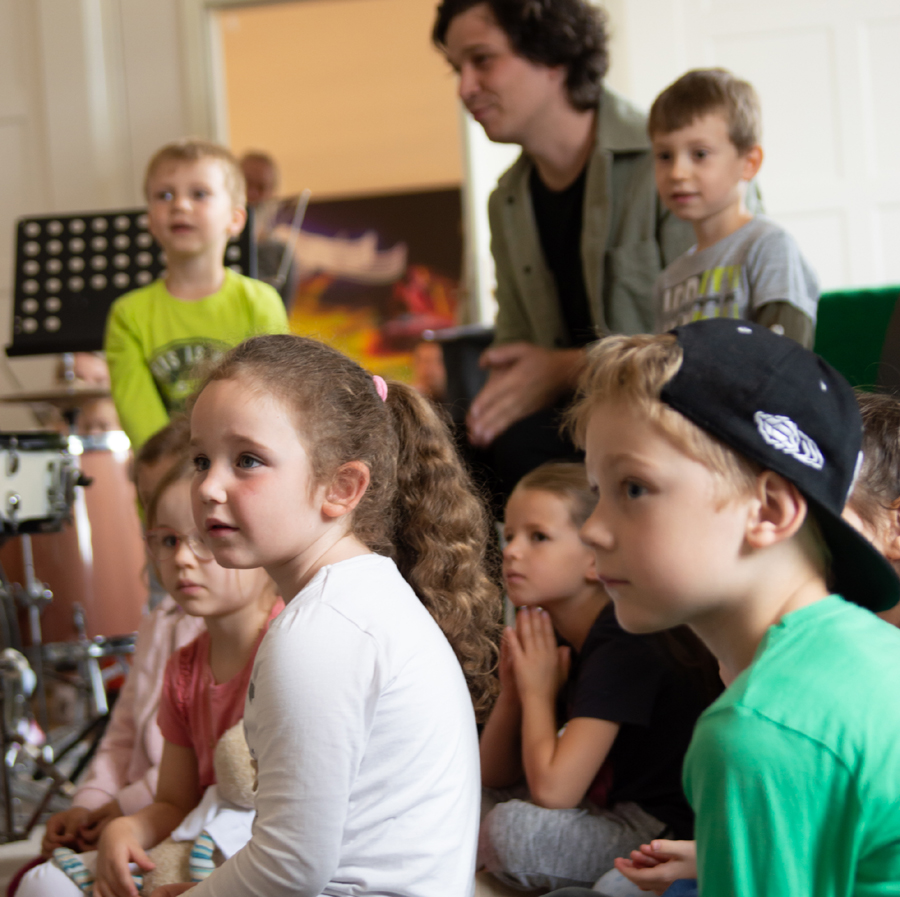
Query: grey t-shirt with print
{"x": 759, "y": 263}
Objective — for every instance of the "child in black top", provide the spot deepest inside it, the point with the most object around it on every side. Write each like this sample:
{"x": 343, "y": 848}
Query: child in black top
{"x": 612, "y": 776}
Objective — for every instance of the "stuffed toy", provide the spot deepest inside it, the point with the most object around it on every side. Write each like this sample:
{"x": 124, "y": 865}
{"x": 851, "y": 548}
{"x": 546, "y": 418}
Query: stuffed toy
{"x": 215, "y": 830}
{"x": 218, "y": 827}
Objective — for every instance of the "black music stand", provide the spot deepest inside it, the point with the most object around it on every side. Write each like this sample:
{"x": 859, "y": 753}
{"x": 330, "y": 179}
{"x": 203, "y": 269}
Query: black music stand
{"x": 69, "y": 269}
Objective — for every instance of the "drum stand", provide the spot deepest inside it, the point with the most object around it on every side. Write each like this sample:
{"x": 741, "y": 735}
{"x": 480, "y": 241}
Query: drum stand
{"x": 15, "y": 669}
{"x": 35, "y": 597}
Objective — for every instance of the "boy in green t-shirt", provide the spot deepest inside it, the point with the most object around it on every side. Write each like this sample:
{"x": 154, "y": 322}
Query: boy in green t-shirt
{"x": 155, "y": 336}
{"x": 723, "y": 455}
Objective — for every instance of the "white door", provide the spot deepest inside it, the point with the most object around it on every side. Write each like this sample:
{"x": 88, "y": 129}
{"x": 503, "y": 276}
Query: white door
{"x": 827, "y": 73}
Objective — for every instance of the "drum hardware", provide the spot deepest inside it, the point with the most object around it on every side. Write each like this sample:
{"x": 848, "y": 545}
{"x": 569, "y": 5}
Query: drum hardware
{"x": 18, "y": 684}
{"x": 41, "y": 474}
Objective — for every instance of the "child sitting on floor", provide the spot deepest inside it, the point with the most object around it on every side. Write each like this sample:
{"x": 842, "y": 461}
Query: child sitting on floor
{"x": 204, "y": 688}
{"x": 122, "y": 776}
{"x": 613, "y": 775}
{"x": 723, "y": 456}
{"x": 874, "y": 509}
{"x": 349, "y": 491}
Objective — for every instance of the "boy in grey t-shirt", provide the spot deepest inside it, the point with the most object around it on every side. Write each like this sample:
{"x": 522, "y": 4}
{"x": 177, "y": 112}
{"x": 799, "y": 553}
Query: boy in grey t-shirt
{"x": 705, "y": 134}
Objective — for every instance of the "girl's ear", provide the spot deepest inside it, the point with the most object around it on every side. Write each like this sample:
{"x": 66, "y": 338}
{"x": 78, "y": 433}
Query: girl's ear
{"x": 778, "y": 511}
{"x": 346, "y": 489}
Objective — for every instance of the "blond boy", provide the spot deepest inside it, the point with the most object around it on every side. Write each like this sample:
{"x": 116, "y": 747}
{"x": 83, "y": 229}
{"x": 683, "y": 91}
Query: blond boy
{"x": 705, "y": 129}
{"x": 155, "y": 336}
{"x": 722, "y": 455}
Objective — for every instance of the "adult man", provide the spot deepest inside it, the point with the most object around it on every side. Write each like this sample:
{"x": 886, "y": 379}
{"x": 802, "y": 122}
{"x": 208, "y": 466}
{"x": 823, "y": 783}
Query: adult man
{"x": 261, "y": 174}
{"x": 578, "y": 235}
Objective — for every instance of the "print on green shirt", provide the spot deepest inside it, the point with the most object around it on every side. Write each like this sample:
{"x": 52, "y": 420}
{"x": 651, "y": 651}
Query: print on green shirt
{"x": 175, "y": 364}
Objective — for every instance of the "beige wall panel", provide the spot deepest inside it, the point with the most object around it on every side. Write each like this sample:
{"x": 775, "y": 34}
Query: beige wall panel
{"x": 348, "y": 95}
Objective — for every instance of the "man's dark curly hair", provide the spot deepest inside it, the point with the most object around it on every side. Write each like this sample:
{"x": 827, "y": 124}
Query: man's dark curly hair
{"x": 571, "y": 33}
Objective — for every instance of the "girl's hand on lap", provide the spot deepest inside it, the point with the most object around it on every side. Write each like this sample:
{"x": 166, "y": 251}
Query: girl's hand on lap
{"x": 118, "y": 847}
{"x": 62, "y": 830}
{"x": 95, "y": 822}
{"x": 540, "y": 664}
{"x": 656, "y": 865}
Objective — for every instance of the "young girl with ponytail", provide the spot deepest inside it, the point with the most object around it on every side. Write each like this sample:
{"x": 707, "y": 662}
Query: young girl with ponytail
{"x": 348, "y": 491}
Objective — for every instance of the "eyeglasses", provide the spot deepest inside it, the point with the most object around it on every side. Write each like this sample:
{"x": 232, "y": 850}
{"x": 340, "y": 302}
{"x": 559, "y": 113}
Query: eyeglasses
{"x": 163, "y": 543}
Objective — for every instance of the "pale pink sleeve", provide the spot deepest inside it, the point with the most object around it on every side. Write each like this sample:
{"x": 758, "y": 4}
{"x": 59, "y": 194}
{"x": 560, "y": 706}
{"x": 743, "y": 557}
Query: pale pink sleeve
{"x": 126, "y": 766}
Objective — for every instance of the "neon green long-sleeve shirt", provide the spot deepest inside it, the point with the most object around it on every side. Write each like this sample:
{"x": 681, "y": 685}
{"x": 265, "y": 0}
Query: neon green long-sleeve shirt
{"x": 154, "y": 342}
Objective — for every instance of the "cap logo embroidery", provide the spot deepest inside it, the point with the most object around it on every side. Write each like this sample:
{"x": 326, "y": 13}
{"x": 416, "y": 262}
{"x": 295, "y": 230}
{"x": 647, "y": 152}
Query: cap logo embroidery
{"x": 783, "y": 434}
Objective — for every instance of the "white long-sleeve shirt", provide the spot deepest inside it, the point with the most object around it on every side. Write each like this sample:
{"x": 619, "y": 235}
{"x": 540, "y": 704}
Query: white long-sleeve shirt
{"x": 362, "y": 726}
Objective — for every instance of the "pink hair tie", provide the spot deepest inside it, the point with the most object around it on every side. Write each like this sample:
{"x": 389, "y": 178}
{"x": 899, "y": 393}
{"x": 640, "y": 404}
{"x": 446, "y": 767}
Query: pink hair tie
{"x": 380, "y": 387}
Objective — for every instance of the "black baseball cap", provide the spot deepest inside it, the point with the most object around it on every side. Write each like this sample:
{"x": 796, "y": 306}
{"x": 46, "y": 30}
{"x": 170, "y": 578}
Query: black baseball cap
{"x": 785, "y": 408}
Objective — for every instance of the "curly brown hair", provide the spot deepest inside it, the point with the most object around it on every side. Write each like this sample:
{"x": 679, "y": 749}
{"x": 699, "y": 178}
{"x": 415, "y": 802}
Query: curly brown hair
{"x": 420, "y": 507}
{"x": 571, "y": 33}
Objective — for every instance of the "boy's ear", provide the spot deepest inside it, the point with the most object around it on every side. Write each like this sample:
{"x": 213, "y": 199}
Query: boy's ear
{"x": 752, "y": 160}
{"x": 346, "y": 489}
{"x": 778, "y": 512}
{"x": 238, "y": 220}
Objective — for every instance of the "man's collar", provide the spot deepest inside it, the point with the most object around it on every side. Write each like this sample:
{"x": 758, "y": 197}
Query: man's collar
{"x": 621, "y": 127}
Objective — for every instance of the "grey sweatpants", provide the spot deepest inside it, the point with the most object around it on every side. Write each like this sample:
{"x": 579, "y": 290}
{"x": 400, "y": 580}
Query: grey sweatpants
{"x": 527, "y": 846}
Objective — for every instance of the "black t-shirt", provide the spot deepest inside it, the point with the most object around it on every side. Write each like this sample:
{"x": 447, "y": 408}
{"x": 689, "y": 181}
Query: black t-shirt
{"x": 634, "y": 680}
{"x": 558, "y": 215}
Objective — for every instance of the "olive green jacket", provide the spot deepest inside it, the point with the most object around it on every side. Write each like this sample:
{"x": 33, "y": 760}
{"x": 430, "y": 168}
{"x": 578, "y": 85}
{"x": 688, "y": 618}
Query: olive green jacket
{"x": 627, "y": 238}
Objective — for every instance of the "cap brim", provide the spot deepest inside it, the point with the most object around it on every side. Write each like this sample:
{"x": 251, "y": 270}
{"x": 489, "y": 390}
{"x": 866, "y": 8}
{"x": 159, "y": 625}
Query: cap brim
{"x": 860, "y": 573}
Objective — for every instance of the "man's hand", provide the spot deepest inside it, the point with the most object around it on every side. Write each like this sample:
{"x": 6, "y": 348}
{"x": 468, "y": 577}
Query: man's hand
{"x": 523, "y": 379}
{"x": 656, "y": 865}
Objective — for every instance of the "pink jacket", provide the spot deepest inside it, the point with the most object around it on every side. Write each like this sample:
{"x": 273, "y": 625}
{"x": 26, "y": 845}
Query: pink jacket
{"x": 126, "y": 765}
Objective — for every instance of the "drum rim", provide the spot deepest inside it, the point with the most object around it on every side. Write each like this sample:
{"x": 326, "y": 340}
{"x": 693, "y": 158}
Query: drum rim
{"x": 33, "y": 440}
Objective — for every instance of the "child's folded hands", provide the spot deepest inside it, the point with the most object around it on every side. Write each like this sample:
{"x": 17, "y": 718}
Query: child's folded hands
{"x": 540, "y": 665}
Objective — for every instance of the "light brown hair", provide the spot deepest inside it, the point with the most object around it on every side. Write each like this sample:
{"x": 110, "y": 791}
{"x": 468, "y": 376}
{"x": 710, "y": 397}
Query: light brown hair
{"x": 181, "y": 469}
{"x": 700, "y": 92}
{"x": 173, "y": 439}
{"x": 634, "y": 370}
{"x": 878, "y": 485}
{"x": 420, "y": 507}
{"x": 192, "y": 149}
{"x": 566, "y": 480}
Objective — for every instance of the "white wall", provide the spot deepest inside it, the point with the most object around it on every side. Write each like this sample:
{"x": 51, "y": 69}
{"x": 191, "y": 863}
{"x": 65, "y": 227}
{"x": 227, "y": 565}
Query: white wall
{"x": 88, "y": 88}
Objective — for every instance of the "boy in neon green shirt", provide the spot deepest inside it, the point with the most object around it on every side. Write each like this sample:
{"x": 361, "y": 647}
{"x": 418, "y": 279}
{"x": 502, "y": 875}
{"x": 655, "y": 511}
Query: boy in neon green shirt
{"x": 156, "y": 336}
{"x": 723, "y": 455}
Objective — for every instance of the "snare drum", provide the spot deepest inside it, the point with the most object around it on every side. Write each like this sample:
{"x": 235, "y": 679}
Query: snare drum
{"x": 97, "y": 559}
{"x": 37, "y": 481}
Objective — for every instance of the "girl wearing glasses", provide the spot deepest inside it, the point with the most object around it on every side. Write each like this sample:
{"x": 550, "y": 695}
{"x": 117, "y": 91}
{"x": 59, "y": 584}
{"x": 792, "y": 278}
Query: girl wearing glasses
{"x": 203, "y": 693}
